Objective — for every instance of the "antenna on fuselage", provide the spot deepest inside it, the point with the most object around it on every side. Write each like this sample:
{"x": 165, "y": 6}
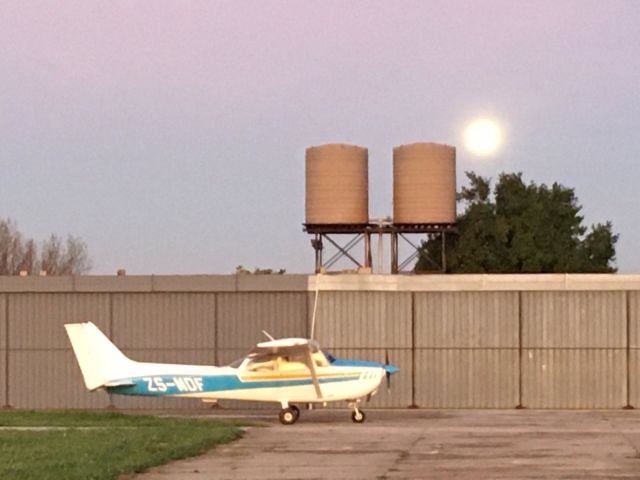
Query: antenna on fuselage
{"x": 268, "y": 335}
{"x": 315, "y": 308}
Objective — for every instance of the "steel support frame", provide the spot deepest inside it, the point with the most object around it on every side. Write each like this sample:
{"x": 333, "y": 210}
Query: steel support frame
{"x": 360, "y": 232}
{"x": 342, "y": 251}
{"x": 399, "y": 267}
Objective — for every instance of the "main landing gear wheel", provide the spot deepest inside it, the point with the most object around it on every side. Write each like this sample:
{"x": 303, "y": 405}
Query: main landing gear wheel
{"x": 358, "y": 416}
{"x": 288, "y": 416}
{"x": 296, "y": 412}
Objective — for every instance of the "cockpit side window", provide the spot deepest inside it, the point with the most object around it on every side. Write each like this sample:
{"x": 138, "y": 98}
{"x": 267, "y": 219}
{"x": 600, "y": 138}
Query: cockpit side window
{"x": 320, "y": 359}
{"x": 292, "y": 362}
{"x": 271, "y": 362}
{"x": 263, "y": 363}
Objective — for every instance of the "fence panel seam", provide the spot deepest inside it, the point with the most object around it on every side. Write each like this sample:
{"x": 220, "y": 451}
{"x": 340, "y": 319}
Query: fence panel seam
{"x": 216, "y": 346}
{"x": 413, "y": 350}
{"x": 6, "y": 351}
{"x": 628, "y": 333}
{"x": 520, "y": 405}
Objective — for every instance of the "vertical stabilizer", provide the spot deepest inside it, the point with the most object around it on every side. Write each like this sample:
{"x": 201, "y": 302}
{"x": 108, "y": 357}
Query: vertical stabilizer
{"x": 100, "y": 360}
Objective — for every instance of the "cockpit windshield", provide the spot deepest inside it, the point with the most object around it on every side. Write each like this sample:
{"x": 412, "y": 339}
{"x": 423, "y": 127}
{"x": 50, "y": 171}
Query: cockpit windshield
{"x": 237, "y": 363}
{"x": 329, "y": 356}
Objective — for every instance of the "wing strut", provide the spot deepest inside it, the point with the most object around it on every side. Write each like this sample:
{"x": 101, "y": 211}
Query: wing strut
{"x": 314, "y": 375}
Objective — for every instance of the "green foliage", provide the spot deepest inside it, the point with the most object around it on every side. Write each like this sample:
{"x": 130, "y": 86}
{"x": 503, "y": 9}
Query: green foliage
{"x": 86, "y": 445}
{"x": 521, "y": 228}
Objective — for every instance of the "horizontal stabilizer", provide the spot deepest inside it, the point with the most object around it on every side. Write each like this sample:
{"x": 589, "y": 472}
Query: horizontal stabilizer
{"x": 119, "y": 383}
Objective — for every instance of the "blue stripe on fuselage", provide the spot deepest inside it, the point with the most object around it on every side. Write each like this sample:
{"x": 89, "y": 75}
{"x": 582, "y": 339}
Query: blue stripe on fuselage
{"x": 160, "y": 385}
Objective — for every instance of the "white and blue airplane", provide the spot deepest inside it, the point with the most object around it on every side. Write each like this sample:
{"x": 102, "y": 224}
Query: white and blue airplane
{"x": 288, "y": 371}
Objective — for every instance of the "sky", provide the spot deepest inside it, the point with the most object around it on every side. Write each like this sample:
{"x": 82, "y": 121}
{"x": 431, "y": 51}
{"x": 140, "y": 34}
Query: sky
{"x": 170, "y": 136}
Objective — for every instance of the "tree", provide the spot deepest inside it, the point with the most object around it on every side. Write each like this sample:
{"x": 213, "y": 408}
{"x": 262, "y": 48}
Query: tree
{"x": 520, "y": 228}
{"x": 19, "y": 254}
{"x": 241, "y": 270}
{"x": 15, "y": 253}
{"x": 69, "y": 259}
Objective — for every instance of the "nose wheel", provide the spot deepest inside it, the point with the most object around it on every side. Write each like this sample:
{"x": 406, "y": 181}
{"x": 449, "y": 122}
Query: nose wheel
{"x": 358, "y": 416}
{"x": 289, "y": 415}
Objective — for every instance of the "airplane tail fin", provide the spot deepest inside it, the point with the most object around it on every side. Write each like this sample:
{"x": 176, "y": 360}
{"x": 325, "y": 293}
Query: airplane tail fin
{"x": 100, "y": 360}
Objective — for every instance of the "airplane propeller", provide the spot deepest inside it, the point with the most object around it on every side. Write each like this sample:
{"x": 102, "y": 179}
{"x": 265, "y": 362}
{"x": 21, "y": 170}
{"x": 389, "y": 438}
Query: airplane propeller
{"x": 386, "y": 364}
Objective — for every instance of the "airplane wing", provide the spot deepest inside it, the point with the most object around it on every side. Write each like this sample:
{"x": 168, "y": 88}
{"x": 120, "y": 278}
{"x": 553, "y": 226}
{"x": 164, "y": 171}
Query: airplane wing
{"x": 285, "y": 346}
{"x": 294, "y": 346}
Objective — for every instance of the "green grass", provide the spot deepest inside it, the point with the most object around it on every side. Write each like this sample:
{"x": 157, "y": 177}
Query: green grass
{"x": 100, "y": 445}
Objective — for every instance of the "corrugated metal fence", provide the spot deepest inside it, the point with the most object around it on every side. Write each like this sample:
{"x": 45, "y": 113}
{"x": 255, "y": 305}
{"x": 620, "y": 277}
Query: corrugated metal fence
{"x": 460, "y": 341}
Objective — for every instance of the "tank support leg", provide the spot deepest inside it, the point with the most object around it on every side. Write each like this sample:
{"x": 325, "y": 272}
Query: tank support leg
{"x": 316, "y": 243}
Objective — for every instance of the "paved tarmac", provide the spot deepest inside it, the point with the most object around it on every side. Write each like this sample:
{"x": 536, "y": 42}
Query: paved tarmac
{"x": 443, "y": 444}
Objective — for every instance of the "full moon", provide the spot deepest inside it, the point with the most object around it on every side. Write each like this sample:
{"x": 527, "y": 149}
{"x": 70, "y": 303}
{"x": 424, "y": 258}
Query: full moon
{"x": 483, "y": 137}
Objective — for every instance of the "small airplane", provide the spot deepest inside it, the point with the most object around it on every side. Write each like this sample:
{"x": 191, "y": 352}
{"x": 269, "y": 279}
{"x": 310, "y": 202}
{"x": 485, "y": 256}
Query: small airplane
{"x": 288, "y": 371}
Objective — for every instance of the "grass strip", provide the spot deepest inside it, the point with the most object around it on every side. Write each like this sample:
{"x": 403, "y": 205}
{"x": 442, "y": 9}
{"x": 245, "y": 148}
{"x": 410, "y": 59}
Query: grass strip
{"x": 116, "y": 444}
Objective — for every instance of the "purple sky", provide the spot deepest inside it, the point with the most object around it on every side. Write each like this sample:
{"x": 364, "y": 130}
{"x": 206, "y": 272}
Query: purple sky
{"x": 170, "y": 136}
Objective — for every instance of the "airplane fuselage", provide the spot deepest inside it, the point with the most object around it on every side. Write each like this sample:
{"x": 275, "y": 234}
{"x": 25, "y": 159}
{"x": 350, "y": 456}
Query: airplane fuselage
{"x": 345, "y": 382}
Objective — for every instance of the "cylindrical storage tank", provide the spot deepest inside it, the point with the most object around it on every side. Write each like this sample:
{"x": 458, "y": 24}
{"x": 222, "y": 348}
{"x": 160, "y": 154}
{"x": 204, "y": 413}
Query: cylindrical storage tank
{"x": 337, "y": 185}
{"x": 424, "y": 184}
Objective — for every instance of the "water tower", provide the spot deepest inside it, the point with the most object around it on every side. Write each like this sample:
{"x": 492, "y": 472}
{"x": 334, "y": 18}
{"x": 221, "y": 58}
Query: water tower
{"x": 424, "y": 196}
{"x": 337, "y": 200}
